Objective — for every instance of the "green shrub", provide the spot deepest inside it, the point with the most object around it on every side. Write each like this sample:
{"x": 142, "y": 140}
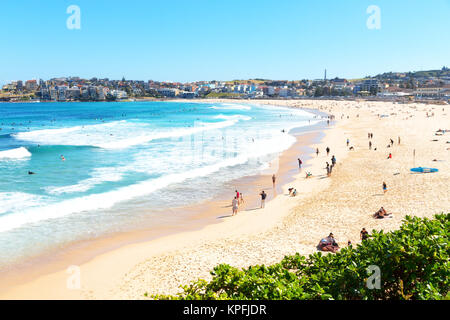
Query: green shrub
{"x": 414, "y": 264}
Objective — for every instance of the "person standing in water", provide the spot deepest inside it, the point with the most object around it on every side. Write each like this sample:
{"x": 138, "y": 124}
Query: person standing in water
{"x": 263, "y": 199}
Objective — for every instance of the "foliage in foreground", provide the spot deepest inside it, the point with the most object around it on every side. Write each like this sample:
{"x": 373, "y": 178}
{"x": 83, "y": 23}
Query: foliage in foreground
{"x": 414, "y": 264}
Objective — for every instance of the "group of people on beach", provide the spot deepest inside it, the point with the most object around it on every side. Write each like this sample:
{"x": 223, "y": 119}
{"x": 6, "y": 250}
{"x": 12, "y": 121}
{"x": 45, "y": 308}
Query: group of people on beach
{"x": 330, "y": 244}
{"x": 237, "y": 201}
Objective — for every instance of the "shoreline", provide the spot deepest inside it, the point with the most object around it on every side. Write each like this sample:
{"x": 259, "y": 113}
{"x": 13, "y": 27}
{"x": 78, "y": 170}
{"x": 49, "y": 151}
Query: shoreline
{"x": 200, "y": 215}
{"x": 342, "y": 204}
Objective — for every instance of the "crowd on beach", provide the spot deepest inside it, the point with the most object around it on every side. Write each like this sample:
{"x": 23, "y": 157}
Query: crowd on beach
{"x": 328, "y": 243}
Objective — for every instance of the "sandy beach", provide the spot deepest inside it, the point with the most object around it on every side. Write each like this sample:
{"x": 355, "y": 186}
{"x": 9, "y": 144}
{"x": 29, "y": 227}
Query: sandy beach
{"x": 342, "y": 204}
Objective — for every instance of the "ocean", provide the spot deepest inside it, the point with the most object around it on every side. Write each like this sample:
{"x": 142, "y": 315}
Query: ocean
{"x": 101, "y": 167}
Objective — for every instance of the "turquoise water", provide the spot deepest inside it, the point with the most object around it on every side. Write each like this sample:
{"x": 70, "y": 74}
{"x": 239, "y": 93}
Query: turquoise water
{"x": 123, "y": 162}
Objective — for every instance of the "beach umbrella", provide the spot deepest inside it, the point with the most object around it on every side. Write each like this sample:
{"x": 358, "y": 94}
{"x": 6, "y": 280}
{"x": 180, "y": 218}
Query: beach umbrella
{"x": 424, "y": 170}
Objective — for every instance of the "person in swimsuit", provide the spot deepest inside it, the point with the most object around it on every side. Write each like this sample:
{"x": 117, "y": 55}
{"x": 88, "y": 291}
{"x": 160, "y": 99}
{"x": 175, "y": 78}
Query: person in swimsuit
{"x": 384, "y": 187}
{"x": 364, "y": 234}
{"x": 235, "y": 206}
{"x": 263, "y": 199}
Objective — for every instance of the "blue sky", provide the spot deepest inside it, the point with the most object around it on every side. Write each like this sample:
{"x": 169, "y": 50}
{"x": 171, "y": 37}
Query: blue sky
{"x": 221, "y": 40}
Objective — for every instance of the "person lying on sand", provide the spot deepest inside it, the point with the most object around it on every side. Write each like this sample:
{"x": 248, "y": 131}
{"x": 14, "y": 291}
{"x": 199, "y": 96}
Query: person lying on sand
{"x": 308, "y": 175}
{"x": 328, "y": 244}
{"x": 381, "y": 214}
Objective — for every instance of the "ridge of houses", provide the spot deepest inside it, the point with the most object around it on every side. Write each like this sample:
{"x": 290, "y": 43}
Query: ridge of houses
{"x": 386, "y": 86}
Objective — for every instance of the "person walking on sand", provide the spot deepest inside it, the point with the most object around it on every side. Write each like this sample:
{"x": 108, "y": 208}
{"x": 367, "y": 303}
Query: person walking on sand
{"x": 328, "y": 151}
{"x": 384, "y": 187}
{"x": 237, "y": 196}
{"x": 317, "y": 151}
{"x": 370, "y": 145}
{"x": 235, "y": 206}
{"x": 263, "y": 199}
{"x": 399, "y": 140}
{"x": 273, "y": 180}
{"x": 299, "y": 163}
{"x": 348, "y": 141}
{"x": 333, "y": 160}
{"x": 364, "y": 234}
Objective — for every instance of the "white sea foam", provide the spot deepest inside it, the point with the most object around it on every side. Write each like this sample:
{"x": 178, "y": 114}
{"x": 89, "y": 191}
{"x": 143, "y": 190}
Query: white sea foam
{"x": 144, "y": 138}
{"x": 17, "y": 153}
{"x": 278, "y": 142}
{"x": 233, "y": 117}
{"x": 99, "y": 176}
{"x": 17, "y": 201}
{"x": 115, "y": 135}
{"x": 226, "y": 106}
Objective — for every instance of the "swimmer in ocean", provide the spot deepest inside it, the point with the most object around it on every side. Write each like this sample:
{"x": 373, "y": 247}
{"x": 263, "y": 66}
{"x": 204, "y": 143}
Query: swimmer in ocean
{"x": 62, "y": 158}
